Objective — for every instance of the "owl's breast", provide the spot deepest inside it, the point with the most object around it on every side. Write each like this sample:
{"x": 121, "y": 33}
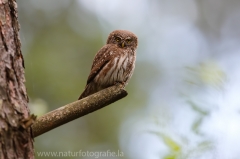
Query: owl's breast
{"x": 114, "y": 71}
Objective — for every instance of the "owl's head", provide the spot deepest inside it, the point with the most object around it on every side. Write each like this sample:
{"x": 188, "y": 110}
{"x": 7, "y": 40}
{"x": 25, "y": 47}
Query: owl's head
{"x": 123, "y": 39}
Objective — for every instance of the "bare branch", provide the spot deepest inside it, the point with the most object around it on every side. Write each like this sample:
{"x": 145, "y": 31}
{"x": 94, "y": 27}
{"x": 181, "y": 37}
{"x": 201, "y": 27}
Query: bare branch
{"x": 77, "y": 109}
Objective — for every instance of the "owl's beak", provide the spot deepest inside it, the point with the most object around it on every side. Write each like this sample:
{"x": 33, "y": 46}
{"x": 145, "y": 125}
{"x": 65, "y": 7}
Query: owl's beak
{"x": 122, "y": 44}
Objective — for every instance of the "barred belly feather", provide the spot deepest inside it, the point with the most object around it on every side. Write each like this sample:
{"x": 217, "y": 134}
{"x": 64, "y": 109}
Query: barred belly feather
{"x": 113, "y": 72}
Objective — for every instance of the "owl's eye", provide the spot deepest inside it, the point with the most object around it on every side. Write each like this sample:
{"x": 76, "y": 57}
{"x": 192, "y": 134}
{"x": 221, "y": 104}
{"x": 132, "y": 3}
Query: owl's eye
{"x": 118, "y": 39}
{"x": 128, "y": 41}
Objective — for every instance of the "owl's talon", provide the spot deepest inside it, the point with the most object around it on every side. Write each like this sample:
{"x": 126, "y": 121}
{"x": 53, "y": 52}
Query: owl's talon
{"x": 119, "y": 83}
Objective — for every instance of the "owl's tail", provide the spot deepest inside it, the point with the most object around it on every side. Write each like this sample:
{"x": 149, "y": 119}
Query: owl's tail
{"x": 89, "y": 89}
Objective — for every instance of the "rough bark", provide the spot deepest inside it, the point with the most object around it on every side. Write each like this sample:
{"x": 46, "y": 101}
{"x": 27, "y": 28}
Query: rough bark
{"x": 15, "y": 136}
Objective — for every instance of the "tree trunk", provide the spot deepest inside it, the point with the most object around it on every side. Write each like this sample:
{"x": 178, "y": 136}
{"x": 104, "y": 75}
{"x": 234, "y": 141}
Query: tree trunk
{"x": 15, "y": 137}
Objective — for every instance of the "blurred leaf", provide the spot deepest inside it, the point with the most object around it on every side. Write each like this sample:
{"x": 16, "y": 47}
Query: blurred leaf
{"x": 196, "y": 125}
{"x": 211, "y": 73}
{"x": 202, "y": 147}
{"x": 197, "y": 108}
{"x": 208, "y": 73}
{"x": 173, "y": 145}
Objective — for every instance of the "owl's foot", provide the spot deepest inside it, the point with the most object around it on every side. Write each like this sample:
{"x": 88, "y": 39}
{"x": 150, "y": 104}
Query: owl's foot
{"x": 120, "y": 83}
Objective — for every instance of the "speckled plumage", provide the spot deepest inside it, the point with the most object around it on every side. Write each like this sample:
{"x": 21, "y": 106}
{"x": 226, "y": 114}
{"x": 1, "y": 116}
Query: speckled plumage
{"x": 113, "y": 63}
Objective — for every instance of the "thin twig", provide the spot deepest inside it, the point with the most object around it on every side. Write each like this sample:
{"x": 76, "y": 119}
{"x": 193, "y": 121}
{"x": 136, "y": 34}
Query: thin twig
{"x": 77, "y": 109}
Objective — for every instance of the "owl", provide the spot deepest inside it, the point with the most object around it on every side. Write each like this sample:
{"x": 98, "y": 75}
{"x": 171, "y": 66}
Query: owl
{"x": 113, "y": 63}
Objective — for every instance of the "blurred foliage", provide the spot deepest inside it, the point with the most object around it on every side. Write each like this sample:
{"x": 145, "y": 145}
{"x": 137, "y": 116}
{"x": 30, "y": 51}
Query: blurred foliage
{"x": 58, "y": 59}
{"x": 187, "y": 52}
{"x": 181, "y": 150}
{"x": 207, "y": 73}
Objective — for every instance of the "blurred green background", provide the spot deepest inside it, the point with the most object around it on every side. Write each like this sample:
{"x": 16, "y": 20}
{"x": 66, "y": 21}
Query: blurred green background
{"x": 184, "y": 96}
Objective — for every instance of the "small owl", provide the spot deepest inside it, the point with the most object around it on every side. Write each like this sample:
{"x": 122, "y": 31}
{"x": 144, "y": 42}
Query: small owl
{"x": 114, "y": 62}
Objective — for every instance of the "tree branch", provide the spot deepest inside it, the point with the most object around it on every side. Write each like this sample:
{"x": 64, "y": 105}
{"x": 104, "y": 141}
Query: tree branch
{"x": 77, "y": 109}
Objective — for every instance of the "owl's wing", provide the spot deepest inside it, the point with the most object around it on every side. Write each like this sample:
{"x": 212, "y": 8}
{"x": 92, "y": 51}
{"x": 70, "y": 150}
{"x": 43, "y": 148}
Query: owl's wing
{"x": 102, "y": 58}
